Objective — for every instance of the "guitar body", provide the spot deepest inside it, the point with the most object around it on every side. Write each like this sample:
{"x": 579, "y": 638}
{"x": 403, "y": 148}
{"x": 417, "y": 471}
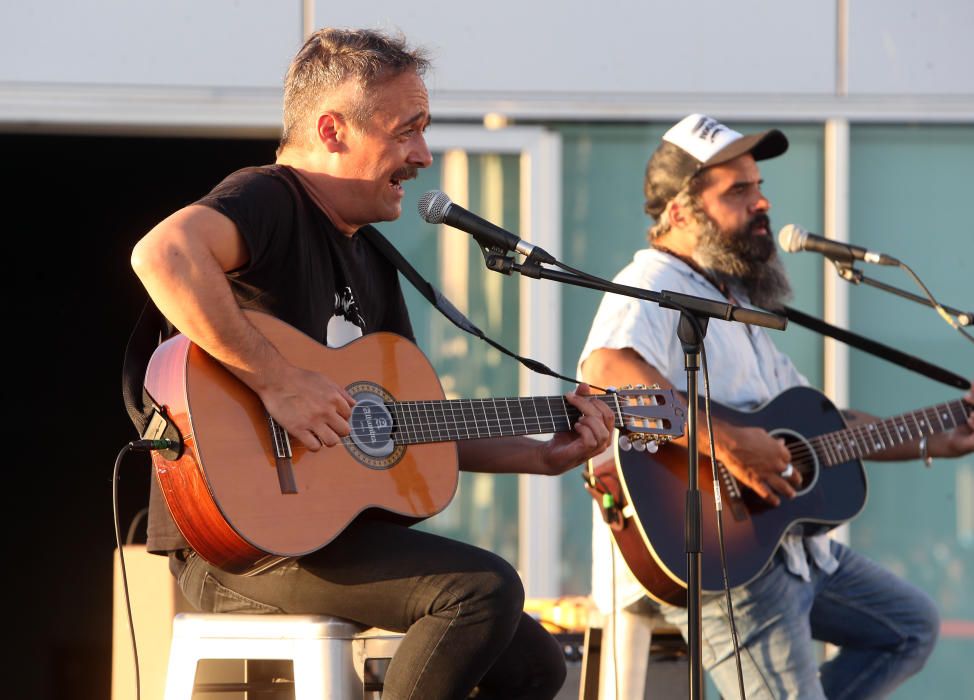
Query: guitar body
{"x": 225, "y": 490}
{"x": 655, "y": 486}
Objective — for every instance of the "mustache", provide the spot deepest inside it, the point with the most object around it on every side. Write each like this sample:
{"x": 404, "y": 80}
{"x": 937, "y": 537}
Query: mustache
{"x": 407, "y": 173}
{"x": 759, "y": 220}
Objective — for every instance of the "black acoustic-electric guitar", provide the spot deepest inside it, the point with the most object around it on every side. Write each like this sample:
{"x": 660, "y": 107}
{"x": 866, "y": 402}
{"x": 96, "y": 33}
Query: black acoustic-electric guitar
{"x": 650, "y": 489}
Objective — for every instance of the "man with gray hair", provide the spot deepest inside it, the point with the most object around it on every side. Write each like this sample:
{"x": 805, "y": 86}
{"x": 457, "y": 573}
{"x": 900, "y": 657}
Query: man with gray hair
{"x": 712, "y": 238}
{"x": 289, "y": 239}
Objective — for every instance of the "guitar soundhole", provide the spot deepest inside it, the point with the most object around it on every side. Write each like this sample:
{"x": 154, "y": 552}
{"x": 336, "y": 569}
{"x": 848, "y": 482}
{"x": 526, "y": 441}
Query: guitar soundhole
{"x": 371, "y": 442}
{"x": 803, "y": 457}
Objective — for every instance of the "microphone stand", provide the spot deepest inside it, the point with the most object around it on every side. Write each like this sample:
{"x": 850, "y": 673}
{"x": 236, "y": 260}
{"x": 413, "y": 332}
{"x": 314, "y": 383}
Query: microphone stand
{"x": 694, "y": 315}
{"x": 854, "y": 275}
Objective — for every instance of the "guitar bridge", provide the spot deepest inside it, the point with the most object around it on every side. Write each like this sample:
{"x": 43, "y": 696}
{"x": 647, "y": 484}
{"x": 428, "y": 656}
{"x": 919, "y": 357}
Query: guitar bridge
{"x": 733, "y": 491}
{"x": 282, "y": 456}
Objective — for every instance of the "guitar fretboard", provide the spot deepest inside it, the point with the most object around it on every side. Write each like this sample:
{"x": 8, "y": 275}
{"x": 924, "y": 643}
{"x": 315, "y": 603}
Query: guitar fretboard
{"x": 465, "y": 419}
{"x": 863, "y": 440}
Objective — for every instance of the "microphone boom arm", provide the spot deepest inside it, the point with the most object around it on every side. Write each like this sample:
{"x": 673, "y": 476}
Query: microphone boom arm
{"x": 853, "y": 275}
{"x": 699, "y": 306}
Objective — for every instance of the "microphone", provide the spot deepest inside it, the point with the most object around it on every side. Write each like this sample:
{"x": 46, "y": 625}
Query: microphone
{"x": 794, "y": 239}
{"x": 435, "y": 207}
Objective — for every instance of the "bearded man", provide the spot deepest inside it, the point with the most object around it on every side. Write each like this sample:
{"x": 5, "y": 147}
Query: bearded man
{"x": 712, "y": 238}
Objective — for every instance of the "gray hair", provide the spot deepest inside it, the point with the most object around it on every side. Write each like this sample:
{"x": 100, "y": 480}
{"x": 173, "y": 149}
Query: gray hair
{"x": 688, "y": 199}
{"x": 332, "y": 57}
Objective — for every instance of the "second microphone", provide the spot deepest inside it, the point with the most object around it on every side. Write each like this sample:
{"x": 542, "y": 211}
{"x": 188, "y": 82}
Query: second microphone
{"x": 435, "y": 207}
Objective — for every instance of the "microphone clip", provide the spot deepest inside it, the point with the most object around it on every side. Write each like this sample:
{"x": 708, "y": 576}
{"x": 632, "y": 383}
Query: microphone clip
{"x": 848, "y": 272}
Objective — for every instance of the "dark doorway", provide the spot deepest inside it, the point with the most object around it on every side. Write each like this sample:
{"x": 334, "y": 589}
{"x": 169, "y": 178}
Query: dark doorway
{"x": 73, "y": 208}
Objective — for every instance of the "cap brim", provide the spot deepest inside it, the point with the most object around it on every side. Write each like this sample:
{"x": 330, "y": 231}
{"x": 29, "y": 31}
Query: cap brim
{"x": 767, "y": 144}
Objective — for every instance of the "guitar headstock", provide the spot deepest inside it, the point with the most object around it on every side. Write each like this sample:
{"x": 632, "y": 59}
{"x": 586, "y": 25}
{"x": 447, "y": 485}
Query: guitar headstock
{"x": 646, "y": 417}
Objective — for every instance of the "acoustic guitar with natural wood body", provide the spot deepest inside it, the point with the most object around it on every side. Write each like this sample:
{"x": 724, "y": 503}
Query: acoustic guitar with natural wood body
{"x": 246, "y": 498}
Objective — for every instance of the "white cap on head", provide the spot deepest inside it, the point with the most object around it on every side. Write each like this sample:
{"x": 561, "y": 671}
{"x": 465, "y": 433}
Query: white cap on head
{"x": 697, "y": 142}
{"x": 701, "y": 136}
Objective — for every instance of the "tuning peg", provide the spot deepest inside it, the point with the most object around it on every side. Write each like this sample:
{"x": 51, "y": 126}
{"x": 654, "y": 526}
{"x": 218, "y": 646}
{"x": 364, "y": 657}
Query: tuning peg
{"x": 625, "y": 444}
{"x": 652, "y": 447}
{"x": 639, "y": 446}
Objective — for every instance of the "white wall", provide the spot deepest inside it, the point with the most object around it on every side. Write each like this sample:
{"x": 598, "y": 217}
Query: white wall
{"x": 219, "y": 63}
{"x": 218, "y": 43}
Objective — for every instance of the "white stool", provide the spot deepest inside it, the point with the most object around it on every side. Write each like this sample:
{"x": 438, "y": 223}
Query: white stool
{"x": 328, "y": 653}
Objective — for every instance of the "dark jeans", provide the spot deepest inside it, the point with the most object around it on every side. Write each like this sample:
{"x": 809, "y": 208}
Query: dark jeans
{"x": 461, "y": 609}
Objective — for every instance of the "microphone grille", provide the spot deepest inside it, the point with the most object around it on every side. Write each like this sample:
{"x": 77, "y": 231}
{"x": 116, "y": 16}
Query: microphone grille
{"x": 433, "y": 205}
{"x": 791, "y": 237}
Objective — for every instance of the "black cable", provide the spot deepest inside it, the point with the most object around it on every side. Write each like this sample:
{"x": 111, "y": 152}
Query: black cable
{"x": 121, "y": 558}
{"x": 141, "y": 446}
{"x": 936, "y": 304}
{"x": 720, "y": 521}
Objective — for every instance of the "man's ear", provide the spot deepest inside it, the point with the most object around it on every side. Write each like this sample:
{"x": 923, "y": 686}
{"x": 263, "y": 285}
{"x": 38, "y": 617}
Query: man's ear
{"x": 331, "y": 130}
{"x": 678, "y": 215}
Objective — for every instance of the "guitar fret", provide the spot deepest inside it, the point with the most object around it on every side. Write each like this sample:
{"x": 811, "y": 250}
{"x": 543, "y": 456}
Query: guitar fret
{"x": 877, "y": 437}
{"x": 425, "y": 429}
{"x": 857, "y": 439}
{"x": 900, "y": 429}
{"x": 837, "y": 445}
{"x": 885, "y": 425}
{"x": 956, "y": 412}
{"x": 829, "y": 449}
{"x": 470, "y": 416}
{"x": 483, "y": 409}
{"x": 524, "y": 420}
{"x": 553, "y": 415}
{"x": 840, "y": 450}
{"x": 417, "y": 415}
{"x": 413, "y": 418}
{"x": 444, "y": 422}
{"x": 403, "y": 425}
{"x": 511, "y": 426}
{"x": 533, "y": 405}
{"x": 925, "y": 424}
{"x": 456, "y": 424}
{"x": 916, "y": 423}
{"x": 429, "y": 415}
{"x": 439, "y": 420}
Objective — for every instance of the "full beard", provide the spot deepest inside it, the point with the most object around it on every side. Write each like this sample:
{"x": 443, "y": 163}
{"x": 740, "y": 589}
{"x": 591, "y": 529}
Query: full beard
{"x": 744, "y": 261}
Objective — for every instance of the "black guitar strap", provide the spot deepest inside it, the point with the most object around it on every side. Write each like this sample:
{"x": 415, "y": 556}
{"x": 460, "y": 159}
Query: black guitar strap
{"x": 878, "y": 349}
{"x": 142, "y": 343}
{"x": 444, "y": 306}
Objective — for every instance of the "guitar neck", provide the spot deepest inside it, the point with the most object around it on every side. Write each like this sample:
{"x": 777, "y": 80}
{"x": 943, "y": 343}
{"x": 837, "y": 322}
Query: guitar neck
{"x": 468, "y": 419}
{"x": 863, "y": 440}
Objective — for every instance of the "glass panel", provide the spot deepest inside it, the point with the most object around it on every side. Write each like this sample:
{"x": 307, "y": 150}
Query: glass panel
{"x": 909, "y": 188}
{"x": 604, "y": 224}
{"x": 484, "y": 511}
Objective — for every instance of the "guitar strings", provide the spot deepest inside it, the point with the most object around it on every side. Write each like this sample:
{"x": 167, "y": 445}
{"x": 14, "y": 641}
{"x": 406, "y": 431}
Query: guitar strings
{"x": 428, "y": 421}
{"x": 834, "y": 448}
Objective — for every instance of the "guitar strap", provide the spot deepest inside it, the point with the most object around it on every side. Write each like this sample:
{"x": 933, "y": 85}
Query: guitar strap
{"x": 878, "y": 349}
{"x": 444, "y": 306}
{"x": 142, "y": 343}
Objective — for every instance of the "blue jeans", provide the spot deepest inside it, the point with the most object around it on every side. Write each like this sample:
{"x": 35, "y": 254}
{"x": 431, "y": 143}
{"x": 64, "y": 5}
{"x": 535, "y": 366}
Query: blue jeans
{"x": 885, "y": 629}
{"x": 461, "y": 608}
